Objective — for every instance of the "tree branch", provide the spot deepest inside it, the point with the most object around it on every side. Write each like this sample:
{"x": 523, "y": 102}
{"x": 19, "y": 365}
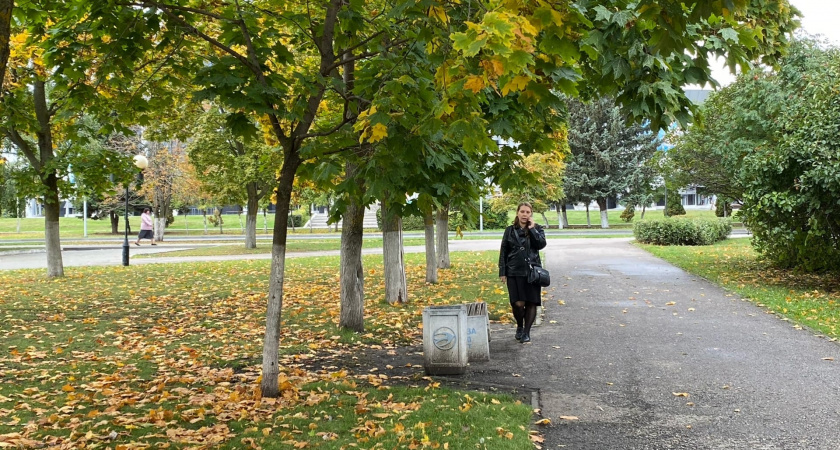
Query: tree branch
{"x": 327, "y": 59}
{"x": 331, "y": 130}
{"x": 24, "y": 146}
{"x": 192, "y": 29}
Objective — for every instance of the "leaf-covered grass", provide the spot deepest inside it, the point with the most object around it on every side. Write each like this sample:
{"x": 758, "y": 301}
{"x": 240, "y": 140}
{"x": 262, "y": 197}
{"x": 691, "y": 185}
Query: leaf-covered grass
{"x": 809, "y": 300}
{"x": 113, "y": 356}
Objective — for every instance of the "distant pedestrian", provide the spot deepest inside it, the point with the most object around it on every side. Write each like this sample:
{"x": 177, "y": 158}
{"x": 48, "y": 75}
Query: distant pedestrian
{"x": 521, "y": 244}
{"x": 146, "y": 228}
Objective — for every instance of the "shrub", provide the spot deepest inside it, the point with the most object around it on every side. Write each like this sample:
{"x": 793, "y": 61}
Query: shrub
{"x": 721, "y": 206}
{"x": 495, "y": 219}
{"x": 681, "y": 231}
{"x": 628, "y": 214}
{"x": 409, "y": 223}
{"x": 674, "y": 205}
{"x": 295, "y": 220}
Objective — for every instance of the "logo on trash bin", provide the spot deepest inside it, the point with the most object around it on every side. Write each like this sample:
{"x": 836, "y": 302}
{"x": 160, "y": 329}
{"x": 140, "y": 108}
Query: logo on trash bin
{"x": 444, "y": 338}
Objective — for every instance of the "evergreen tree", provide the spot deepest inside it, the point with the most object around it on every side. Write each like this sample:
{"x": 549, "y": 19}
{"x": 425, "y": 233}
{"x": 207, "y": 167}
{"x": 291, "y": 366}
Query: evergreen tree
{"x": 608, "y": 152}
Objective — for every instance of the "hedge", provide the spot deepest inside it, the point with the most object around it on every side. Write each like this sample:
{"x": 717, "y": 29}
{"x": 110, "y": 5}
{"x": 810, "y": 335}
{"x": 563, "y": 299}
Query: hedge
{"x": 682, "y": 231}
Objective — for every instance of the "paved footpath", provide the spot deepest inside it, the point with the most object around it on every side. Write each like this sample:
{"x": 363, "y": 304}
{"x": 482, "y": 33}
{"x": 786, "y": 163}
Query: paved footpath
{"x": 646, "y": 356}
{"x": 642, "y": 355}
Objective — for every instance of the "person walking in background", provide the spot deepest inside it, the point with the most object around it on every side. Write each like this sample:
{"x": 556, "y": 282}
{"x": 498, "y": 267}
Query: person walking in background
{"x": 146, "y": 229}
{"x": 521, "y": 245}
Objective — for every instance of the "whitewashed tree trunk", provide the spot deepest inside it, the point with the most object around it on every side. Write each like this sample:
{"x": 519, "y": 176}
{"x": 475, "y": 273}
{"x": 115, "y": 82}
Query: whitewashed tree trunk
{"x": 564, "y": 216}
{"x": 251, "y": 217}
{"x": 160, "y": 228}
{"x": 545, "y": 218}
{"x": 352, "y": 278}
{"x": 431, "y": 261}
{"x": 442, "y": 242}
{"x": 52, "y": 237}
{"x": 393, "y": 258}
{"x": 602, "y": 208}
{"x": 205, "y": 221}
{"x": 269, "y": 387}
{"x": 251, "y": 230}
{"x": 588, "y": 221}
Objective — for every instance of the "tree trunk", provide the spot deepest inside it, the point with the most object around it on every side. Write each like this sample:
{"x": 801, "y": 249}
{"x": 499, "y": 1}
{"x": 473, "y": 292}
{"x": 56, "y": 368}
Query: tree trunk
{"x": 5, "y": 32}
{"x": 251, "y": 216}
{"x": 431, "y": 262}
{"x": 160, "y": 228}
{"x": 547, "y": 223}
{"x": 205, "y": 220}
{"x": 643, "y": 212}
{"x": 269, "y": 386}
{"x": 265, "y": 221}
{"x": 352, "y": 278}
{"x": 442, "y": 244}
{"x": 52, "y": 205}
{"x": 602, "y": 207}
{"x": 55, "y": 265}
{"x": 564, "y": 217}
{"x": 115, "y": 222}
{"x": 588, "y": 221}
{"x": 393, "y": 257}
{"x": 352, "y": 275}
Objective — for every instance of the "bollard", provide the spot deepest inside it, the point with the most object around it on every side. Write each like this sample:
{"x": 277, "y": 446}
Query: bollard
{"x": 444, "y": 346}
{"x": 478, "y": 332}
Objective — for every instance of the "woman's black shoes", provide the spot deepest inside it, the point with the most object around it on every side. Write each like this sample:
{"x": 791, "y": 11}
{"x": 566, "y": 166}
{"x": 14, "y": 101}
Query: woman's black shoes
{"x": 519, "y": 332}
{"x": 525, "y": 338}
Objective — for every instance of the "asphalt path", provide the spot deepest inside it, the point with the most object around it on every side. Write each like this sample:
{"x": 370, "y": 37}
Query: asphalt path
{"x": 642, "y": 355}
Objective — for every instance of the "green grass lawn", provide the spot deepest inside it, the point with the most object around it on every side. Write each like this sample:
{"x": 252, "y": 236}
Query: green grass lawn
{"x": 193, "y": 225}
{"x": 113, "y": 357}
{"x": 809, "y": 300}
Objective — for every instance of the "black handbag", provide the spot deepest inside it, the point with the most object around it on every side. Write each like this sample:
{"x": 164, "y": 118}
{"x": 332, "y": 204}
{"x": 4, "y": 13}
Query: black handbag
{"x": 538, "y": 275}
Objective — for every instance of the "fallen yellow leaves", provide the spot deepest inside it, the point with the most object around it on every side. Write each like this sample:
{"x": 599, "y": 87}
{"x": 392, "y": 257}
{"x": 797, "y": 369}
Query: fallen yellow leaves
{"x": 177, "y": 363}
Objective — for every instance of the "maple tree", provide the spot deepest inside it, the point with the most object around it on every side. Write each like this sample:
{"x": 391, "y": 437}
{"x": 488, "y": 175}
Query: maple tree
{"x": 232, "y": 169}
{"x": 277, "y": 67}
{"x": 39, "y": 117}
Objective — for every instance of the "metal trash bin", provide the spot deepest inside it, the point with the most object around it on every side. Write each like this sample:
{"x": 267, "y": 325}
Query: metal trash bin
{"x": 478, "y": 332}
{"x": 444, "y": 346}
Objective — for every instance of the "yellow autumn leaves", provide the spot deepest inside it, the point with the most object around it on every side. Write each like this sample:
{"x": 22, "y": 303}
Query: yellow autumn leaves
{"x": 370, "y": 133}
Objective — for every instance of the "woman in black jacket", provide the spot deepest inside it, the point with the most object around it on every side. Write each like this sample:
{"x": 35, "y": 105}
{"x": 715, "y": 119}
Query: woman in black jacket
{"x": 521, "y": 244}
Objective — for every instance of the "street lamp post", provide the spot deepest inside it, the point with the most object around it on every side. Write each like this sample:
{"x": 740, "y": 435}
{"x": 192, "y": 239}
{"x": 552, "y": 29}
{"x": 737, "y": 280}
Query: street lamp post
{"x": 141, "y": 163}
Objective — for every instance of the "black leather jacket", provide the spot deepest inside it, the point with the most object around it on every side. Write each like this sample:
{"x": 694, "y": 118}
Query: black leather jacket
{"x": 512, "y": 254}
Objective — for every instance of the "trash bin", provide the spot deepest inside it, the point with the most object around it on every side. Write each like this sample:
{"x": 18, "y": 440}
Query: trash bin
{"x": 444, "y": 346}
{"x": 478, "y": 332}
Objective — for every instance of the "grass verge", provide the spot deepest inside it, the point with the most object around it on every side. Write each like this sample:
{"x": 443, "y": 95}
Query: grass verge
{"x": 157, "y": 355}
{"x": 808, "y": 300}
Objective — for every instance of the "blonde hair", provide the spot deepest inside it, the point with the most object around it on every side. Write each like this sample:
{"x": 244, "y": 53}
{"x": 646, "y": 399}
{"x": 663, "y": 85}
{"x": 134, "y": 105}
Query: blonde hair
{"x": 516, "y": 218}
